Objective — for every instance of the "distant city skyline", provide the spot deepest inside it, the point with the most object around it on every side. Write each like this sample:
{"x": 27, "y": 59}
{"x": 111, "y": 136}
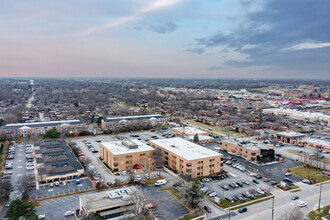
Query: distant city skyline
{"x": 165, "y": 39}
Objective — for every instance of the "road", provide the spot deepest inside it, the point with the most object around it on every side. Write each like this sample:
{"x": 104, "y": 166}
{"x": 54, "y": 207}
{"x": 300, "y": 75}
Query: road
{"x": 283, "y": 203}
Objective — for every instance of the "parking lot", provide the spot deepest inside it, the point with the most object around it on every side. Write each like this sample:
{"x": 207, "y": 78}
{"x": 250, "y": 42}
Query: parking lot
{"x": 243, "y": 183}
{"x": 56, "y": 208}
{"x": 96, "y": 141}
{"x": 167, "y": 206}
{"x": 19, "y": 168}
{"x": 274, "y": 170}
{"x": 46, "y": 190}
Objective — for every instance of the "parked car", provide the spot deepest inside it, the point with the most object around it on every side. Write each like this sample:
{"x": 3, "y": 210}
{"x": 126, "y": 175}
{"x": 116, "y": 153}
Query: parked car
{"x": 138, "y": 177}
{"x": 294, "y": 197}
{"x": 208, "y": 209}
{"x": 255, "y": 181}
{"x": 51, "y": 184}
{"x": 225, "y": 187}
{"x": 287, "y": 174}
{"x": 160, "y": 182}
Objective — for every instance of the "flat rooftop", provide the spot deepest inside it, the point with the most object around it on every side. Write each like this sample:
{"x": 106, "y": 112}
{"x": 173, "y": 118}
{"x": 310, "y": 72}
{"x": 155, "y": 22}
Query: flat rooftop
{"x": 107, "y": 199}
{"x": 190, "y": 130}
{"x": 134, "y": 117}
{"x": 246, "y": 144}
{"x": 118, "y": 147}
{"x": 185, "y": 149}
{"x": 290, "y": 134}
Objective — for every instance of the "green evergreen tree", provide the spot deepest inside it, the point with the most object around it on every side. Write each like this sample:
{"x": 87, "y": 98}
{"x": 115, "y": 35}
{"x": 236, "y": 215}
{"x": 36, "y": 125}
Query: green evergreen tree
{"x": 194, "y": 195}
{"x": 196, "y": 139}
{"x": 19, "y": 209}
{"x": 52, "y": 133}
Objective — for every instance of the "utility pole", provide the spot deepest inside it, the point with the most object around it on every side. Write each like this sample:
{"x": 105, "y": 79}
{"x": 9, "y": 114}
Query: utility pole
{"x": 320, "y": 197}
{"x": 229, "y": 214}
{"x": 273, "y": 209}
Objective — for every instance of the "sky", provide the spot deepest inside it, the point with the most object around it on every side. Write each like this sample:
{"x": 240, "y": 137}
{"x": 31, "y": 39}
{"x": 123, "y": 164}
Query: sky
{"x": 165, "y": 38}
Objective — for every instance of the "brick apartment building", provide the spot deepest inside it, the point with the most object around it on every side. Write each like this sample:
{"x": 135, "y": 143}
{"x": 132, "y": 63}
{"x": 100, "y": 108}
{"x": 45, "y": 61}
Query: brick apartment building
{"x": 131, "y": 122}
{"x": 127, "y": 154}
{"x": 187, "y": 158}
{"x": 40, "y": 128}
{"x": 249, "y": 151}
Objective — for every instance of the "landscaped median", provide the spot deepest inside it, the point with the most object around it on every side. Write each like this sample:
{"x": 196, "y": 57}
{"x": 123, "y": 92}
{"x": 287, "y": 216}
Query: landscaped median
{"x": 319, "y": 214}
{"x": 252, "y": 202}
{"x": 244, "y": 202}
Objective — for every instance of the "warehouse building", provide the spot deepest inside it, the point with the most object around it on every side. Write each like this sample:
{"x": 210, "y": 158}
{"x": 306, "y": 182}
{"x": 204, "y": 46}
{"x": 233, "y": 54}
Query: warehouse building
{"x": 189, "y": 131}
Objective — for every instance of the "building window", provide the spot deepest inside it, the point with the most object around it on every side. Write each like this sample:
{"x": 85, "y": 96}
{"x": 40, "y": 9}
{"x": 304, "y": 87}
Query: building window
{"x": 166, "y": 153}
{"x": 253, "y": 154}
{"x": 115, "y": 164}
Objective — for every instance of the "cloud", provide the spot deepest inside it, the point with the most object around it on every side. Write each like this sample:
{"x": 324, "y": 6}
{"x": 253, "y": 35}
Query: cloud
{"x": 283, "y": 34}
{"x": 196, "y": 50}
{"x": 305, "y": 46}
{"x": 216, "y": 68}
{"x": 160, "y": 4}
{"x": 160, "y": 28}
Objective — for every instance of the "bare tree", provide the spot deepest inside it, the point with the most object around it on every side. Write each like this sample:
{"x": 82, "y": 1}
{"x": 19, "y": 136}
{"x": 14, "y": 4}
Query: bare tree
{"x": 292, "y": 214}
{"x": 26, "y": 183}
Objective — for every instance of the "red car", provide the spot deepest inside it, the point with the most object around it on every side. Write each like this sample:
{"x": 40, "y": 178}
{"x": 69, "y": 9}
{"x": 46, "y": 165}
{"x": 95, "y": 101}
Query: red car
{"x": 208, "y": 209}
{"x": 152, "y": 206}
{"x": 81, "y": 155}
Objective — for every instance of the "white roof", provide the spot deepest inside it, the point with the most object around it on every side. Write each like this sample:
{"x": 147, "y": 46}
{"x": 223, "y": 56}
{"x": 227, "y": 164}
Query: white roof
{"x": 290, "y": 134}
{"x": 201, "y": 137}
{"x": 117, "y": 147}
{"x": 191, "y": 130}
{"x": 315, "y": 141}
{"x": 185, "y": 149}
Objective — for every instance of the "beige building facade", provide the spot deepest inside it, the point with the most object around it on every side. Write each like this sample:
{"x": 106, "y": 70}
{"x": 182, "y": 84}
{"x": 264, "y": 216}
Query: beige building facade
{"x": 249, "y": 152}
{"x": 126, "y": 155}
{"x": 187, "y": 158}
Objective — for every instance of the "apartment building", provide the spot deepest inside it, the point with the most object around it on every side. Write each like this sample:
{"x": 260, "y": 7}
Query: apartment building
{"x": 127, "y": 154}
{"x": 55, "y": 161}
{"x": 249, "y": 150}
{"x": 120, "y": 203}
{"x": 289, "y": 137}
{"x": 188, "y": 131}
{"x": 187, "y": 158}
{"x": 40, "y": 128}
{"x": 133, "y": 122}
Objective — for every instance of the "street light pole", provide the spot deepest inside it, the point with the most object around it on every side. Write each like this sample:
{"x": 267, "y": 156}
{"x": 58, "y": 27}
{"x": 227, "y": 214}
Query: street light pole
{"x": 320, "y": 197}
{"x": 273, "y": 209}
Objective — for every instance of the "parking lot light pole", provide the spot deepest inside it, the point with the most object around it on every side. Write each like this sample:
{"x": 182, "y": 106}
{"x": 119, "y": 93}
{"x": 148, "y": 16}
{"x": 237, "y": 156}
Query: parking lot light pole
{"x": 320, "y": 197}
{"x": 273, "y": 209}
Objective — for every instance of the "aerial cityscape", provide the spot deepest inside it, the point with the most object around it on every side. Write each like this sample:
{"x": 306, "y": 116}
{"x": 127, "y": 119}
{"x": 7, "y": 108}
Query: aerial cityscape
{"x": 165, "y": 109}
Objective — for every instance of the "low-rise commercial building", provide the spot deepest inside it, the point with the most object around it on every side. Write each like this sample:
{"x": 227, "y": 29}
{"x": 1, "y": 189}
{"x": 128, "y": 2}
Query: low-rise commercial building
{"x": 289, "y": 137}
{"x": 126, "y": 154}
{"x": 123, "y": 203}
{"x": 133, "y": 122}
{"x": 187, "y": 158}
{"x": 40, "y": 128}
{"x": 189, "y": 131}
{"x": 55, "y": 161}
{"x": 248, "y": 150}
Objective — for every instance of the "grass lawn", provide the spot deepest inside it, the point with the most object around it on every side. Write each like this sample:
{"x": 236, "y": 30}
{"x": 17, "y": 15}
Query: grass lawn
{"x": 309, "y": 173}
{"x": 25, "y": 139}
{"x": 174, "y": 192}
{"x": 226, "y": 204}
{"x": 217, "y": 129}
{"x": 252, "y": 203}
{"x": 323, "y": 213}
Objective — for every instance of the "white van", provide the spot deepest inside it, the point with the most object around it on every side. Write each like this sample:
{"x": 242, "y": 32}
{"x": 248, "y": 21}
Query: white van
{"x": 160, "y": 182}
